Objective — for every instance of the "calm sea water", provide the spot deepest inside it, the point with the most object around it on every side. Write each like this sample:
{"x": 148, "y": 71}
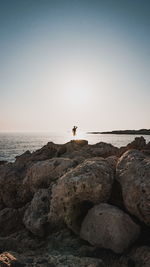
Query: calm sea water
{"x": 13, "y": 144}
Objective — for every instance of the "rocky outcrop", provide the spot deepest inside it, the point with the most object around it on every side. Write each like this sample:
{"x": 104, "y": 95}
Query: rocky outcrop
{"x": 43, "y": 173}
{"x": 66, "y": 205}
{"x": 78, "y": 190}
{"x": 36, "y": 215}
{"x": 109, "y": 227}
{"x": 133, "y": 174}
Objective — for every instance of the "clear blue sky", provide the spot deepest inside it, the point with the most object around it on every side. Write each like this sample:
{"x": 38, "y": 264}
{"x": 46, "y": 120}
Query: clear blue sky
{"x": 84, "y": 62}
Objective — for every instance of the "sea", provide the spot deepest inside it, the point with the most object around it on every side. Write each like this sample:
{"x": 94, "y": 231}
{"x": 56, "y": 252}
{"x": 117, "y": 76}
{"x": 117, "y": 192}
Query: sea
{"x": 14, "y": 144}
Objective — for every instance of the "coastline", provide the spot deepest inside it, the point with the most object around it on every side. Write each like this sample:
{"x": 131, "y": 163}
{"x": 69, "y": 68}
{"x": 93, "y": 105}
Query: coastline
{"x": 125, "y": 132}
{"x": 74, "y": 204}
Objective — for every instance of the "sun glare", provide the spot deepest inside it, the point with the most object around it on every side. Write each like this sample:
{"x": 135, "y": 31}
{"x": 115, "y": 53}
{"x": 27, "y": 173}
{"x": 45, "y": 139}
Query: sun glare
{"x": 76, "y": 92}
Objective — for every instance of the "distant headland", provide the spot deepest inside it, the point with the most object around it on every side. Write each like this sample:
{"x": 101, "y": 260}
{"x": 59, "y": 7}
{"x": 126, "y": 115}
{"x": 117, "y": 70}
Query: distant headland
{"x": 134, "y": 132}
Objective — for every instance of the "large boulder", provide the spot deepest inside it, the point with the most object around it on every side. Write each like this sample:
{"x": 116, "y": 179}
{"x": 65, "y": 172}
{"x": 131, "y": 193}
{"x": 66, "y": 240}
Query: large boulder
{"x": 42, "y": 173}
{"x": 36, "y": 215}
{"x": 109, "y": 227}
{"x": 78, "y": 190}
{"x": 133, "y": 174}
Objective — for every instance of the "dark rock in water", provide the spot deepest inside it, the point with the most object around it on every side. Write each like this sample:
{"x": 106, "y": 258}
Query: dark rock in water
{"x": 36, "y": 215}
{"x": 78, "y": 190}
{"x": 109, "y": 227}
{"x": 42, "y": 173}
{"x": 133, "y": 174}
{"x": 2, "y": 162}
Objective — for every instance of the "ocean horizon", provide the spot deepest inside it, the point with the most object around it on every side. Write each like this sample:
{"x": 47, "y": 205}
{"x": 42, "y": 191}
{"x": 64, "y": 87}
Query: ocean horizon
{"x": 13, "y": 144}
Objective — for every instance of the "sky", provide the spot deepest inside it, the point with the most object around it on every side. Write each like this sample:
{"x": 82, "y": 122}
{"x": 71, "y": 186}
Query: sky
{"x": 75, "y": 62}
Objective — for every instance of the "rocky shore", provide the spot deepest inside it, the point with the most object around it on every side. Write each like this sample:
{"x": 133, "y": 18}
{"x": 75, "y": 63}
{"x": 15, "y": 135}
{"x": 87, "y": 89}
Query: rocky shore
{"x": 130, "y": 132}
{"x": 76, "y": 205}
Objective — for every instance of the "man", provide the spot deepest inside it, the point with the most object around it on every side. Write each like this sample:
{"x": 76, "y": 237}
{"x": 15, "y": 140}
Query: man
{"x": 74, "y": 129}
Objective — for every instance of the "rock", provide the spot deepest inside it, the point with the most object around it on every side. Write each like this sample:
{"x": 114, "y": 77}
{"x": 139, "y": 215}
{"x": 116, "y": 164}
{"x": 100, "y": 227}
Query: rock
{"x": 141, "y": 256}
{"x": 25, "y": 157}
{"x": 46, "y": 152}
{"x": 133, "y": 174}
{"x": 43, "y": 173}
{"x": 12, "y": 193}
{"x": 138, "y": 143}
{"x": 21, "y": 241}
{"x": 13, "y": 259}
{"x": 2, "y": 162}
{"x": 35, "y": 217}
{"x": 73, "y": 261}
{"x": 109, "y": 227}
{"x": 112, "y": 160}
{"x": 78, "y": 190}
{"x": 75, "y": 145}
{"x": 10, "y": 221}
{"x": 102, "y": 150}
{"x": 148, "y": 146}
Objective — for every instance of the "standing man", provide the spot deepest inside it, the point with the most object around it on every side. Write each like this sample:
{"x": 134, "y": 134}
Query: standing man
{"x": 74, "y": 129}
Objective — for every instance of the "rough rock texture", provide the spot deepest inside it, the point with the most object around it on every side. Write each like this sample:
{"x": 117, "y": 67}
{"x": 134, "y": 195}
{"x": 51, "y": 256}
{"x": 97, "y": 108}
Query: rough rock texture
{"x": 36, "y": 225}
{"x": 21, "y": 241}
{"x": 138, "y": 143}
{"x": 12, "y": 259}
{"x": 112, "y": 160}
{"x": 43, "y": 173}
{"x": 12, "y": 193}
{"x": 35, "y": 217}
{"x": 10, "y": 221}
{"x": 46, "y": 152}
{"x": 102, "y": 150}
{"x": 78, "y": 190}
{"x": 109, "y": 227}
{"x": 141, "y": 256}
{"x": 133, "y": 173}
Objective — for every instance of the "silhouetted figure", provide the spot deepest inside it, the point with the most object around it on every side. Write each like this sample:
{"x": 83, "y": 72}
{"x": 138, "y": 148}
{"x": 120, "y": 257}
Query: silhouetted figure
{"x": 74, "y": 129}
